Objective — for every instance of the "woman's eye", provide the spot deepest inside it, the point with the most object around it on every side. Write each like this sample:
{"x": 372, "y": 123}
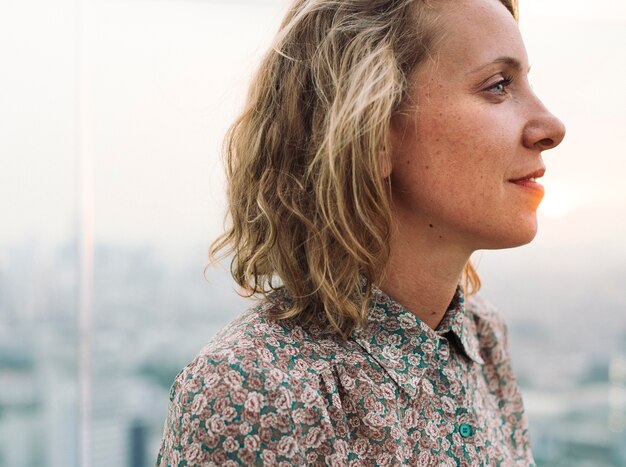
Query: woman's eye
{"x": 501, "y": 86}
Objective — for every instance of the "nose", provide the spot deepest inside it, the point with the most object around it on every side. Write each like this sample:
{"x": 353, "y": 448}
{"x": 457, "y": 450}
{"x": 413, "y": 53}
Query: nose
{"x": 543, "y": 131}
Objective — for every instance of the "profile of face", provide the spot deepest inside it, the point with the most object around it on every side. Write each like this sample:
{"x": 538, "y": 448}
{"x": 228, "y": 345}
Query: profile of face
{"x": 470, "y": 129}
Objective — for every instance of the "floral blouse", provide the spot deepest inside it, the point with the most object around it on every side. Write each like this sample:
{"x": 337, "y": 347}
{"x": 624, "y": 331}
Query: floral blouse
{"x": 395, "y": 393}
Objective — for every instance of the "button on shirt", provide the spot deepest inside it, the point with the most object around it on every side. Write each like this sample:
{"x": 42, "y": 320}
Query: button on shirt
{"x": 397, "y": 392}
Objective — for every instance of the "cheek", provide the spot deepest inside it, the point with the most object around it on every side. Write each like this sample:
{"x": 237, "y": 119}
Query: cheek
{"x": 458, "y": 155}
{"x": 470, "y": 145}
{"x": 451, "y": 132}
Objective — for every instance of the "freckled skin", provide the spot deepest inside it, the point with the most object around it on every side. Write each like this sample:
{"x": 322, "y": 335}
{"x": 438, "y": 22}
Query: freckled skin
{"x": 469, "y": 141}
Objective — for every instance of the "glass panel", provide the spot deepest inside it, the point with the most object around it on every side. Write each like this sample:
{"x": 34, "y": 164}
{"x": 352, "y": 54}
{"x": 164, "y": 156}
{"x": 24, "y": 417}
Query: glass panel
{"x": 38, "y": 246}
{"x": 166, "y": 79}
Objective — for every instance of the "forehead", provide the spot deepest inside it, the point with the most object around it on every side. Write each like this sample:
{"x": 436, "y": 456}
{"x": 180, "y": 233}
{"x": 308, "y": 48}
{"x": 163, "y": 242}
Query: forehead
{"x": 476, "y": 32}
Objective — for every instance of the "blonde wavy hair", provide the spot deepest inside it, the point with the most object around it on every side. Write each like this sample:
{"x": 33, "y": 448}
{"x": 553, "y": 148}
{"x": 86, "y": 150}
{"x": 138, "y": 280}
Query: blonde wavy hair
{"x": 308, "y": 202}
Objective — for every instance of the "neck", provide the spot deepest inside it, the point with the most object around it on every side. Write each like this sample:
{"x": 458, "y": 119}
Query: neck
{"x": 423, "y": 272}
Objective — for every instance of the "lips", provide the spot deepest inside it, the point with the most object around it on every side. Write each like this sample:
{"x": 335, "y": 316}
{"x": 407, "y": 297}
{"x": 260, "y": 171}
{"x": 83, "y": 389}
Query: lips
{"x": 528, "y": 182}
{"x": 531, "y": 176}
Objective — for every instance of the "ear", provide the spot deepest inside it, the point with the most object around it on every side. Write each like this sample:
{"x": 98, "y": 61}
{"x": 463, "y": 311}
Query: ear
{"x": 385, "y": 163}
{"x": 387, "y": 152}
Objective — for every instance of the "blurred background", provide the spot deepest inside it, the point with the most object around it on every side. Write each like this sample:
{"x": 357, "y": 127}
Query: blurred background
{"x": 111, "y": 119}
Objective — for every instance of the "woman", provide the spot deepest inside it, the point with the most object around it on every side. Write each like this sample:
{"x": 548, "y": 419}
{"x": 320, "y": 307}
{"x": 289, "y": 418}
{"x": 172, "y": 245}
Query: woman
{"x": 383, "y": 142}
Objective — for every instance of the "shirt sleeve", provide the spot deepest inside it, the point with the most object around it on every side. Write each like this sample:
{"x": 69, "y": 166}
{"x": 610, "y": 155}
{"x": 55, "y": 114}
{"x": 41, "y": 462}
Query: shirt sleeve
{"x": 221, "y": 413}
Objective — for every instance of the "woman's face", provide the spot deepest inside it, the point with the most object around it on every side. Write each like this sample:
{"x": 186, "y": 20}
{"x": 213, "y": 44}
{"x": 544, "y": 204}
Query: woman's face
{"x": 470, "y": 126}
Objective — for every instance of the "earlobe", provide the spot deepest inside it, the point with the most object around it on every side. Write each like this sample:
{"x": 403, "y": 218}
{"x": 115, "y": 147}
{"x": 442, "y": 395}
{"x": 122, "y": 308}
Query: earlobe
{"x": 386, "y": 153}
{"x": 385, "y": 164}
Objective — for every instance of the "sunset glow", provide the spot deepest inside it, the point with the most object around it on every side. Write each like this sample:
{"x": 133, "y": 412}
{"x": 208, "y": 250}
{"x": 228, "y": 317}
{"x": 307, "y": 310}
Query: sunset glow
{"x": 557, "y": 202}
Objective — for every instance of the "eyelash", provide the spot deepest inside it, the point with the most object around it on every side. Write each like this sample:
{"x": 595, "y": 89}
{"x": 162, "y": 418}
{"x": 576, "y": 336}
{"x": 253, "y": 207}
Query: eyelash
{"x": 505, "y": 82}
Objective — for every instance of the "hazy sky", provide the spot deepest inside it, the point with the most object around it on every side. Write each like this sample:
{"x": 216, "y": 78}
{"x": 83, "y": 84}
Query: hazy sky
{"x": 163, "y": 79}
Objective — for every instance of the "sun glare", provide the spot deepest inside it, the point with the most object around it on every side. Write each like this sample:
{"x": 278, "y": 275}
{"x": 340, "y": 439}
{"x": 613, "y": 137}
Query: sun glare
{"x": 556, "y": 202}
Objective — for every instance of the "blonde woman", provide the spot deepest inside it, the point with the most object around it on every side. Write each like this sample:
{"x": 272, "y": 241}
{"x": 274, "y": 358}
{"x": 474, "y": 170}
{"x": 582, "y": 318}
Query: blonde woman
{"x": 383, "y": 142}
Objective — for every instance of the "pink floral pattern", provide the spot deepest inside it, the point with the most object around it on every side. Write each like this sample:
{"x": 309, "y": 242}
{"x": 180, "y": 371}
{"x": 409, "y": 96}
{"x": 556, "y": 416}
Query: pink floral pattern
{"x": 395, "y": 393}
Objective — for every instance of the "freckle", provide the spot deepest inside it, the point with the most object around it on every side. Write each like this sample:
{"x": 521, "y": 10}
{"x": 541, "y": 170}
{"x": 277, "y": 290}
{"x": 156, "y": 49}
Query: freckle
{"x": 440, "y": 236}
{"x": 427, "y": 167}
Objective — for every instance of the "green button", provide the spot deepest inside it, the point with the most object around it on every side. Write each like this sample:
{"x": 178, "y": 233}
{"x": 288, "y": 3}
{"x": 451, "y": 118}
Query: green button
{"x": 465, "y": 430}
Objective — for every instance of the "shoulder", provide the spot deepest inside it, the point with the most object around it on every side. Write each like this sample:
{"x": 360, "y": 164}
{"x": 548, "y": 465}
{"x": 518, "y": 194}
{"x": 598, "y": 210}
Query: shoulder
{"x": 236, "y": 401}
{"x": 255, "y": 352}
{"x": 256, "y": 341}
{"x": 484, "y": 311}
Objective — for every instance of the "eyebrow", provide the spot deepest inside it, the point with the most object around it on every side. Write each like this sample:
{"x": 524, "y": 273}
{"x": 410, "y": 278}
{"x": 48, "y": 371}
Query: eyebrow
{"x": 509, "y": 61}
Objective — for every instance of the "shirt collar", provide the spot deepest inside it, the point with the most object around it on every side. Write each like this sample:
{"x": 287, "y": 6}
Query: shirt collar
{"x": 405, "y": 346}
{"x": 460, "y": 322}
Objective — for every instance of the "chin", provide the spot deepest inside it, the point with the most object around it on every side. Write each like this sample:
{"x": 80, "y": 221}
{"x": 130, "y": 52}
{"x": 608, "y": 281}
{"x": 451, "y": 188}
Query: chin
{"x": 515, "y": 235}
{"x": 523, "y": 240}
